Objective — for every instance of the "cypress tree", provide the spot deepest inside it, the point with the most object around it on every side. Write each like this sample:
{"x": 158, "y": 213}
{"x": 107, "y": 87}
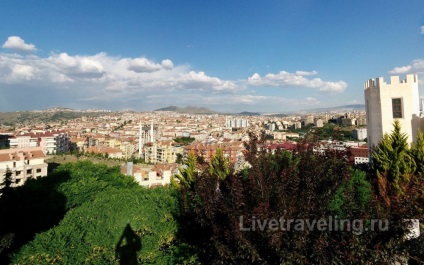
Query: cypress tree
{"x": 417, "y": 153}
{"x": 392, "y": 160}
{"x": 187, "y": 175}
{"x": 219, "y": 166}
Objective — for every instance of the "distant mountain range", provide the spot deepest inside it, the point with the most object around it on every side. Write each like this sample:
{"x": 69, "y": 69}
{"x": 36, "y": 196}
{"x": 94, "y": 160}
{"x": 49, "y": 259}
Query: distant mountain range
{"x": 248, "y": 113}
{"x": 354, "y": 107}
{"x": 204, "y": 110}
{"x": 189, "y": 110}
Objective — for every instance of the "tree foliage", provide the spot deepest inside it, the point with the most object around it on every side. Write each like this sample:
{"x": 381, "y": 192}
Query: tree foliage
{"x": 219, "y": 167}
{"x": 187, "y": 175}
{"x": 353, "y": 196}
{"x": 184, "y": 140}
{"x": 393, "y": 163}
{"x": 304, "y": 185}
{"x": 79, "y": 213}
{"x": 417, "y": 153}
{"x": 90, "y": 233}
{"x": 6, "y": 186}
{"x": 391, "y": 155}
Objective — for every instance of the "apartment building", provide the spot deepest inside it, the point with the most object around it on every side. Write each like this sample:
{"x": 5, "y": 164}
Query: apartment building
{"x": 105, "y": 151}
{"x": 360, "y": 134}
{"x": 359, "y": 154}
{"x": 318, "y": 123}
{"x": 232, "y": 150}
{"x": 162, "y": 152}
{"x": 150, "y": 176}
{"x": 23, "y": 163}
{"x": 51, "y": 142}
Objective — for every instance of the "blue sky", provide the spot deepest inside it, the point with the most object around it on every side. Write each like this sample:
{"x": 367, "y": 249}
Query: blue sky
{"x": 266, "y": 56}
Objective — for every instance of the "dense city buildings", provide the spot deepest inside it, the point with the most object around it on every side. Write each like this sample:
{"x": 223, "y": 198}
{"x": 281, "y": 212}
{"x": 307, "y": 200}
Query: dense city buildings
{"x": 166, "y": 137}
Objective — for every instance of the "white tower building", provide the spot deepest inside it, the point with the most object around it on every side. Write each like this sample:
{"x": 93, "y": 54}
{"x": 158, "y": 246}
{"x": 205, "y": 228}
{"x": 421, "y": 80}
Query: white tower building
{"x": 151, "y": 133}
{"x": 387, "y": 102}
{"x": 140, "y": 143}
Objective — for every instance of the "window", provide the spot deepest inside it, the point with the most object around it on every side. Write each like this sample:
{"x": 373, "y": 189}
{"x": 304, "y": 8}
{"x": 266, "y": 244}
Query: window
{"x": 397, "y": 108}
{"x": 38, "y": 170}
{"x": 29, "y": 171}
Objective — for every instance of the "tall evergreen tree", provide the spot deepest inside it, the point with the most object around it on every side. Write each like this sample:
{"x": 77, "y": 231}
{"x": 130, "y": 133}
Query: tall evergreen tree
{"x": 392, "y": 160}
{"x": 187, "y": 175}
{"x": 6, "y": 184}
{"x": 219, "y": 166}
{"x": 417, "y": 153}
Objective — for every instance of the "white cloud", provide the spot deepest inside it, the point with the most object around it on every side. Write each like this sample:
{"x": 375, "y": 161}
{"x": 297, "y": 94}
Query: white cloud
{"x": 306, "y": 73}
{"x": 167, "y": 64}
{"x": 22, "y": 72}
{"x": 199, "y": 80}
{"x": 143, "y": 65}
{"x": 422, "y": 29}
{"x": 101, "y": 76}
{"x": 16, "y": 43}
{"x": 77, "y": 66}
{"x": 104, "y": 81}
{"x": 417, "y": 66}
{"x": 286, "y": 79}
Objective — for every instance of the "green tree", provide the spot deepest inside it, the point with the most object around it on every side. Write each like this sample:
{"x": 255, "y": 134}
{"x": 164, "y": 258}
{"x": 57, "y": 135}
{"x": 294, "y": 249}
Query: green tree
{"x": 392, "y": 160}
{"x": 6, "y": 184}
{"x": 186, "y": 176}
{"x": 179, "y": 159}
{"x": 417, "y": 152}
{"x": 353, "y": 196}
{"x": 219, "y": 167}
{"x": 184, "y": 140}
{"x": 6, "y": 239}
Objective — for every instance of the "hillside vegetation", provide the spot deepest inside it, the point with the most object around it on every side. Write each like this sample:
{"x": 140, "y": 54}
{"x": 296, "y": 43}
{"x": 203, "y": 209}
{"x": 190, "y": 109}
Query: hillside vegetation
{"x": 92, "y": 214}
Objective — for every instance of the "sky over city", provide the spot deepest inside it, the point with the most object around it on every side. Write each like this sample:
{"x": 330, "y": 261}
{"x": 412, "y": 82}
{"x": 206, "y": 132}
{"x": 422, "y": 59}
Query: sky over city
{"x": 230, "y": 56}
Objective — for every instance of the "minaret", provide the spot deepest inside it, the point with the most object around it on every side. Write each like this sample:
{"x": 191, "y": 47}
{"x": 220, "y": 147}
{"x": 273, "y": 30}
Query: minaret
{"x": 151, "y": 132}
{"x": 140, "y": 145}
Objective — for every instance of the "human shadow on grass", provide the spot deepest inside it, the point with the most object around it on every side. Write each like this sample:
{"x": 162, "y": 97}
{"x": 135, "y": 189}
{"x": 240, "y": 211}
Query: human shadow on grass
{"x": 127, "y": 254}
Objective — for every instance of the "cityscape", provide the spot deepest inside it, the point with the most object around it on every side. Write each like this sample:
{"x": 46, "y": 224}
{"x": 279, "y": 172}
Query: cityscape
{"x": 211, "y": 133}
{"x": 166, "y": 137}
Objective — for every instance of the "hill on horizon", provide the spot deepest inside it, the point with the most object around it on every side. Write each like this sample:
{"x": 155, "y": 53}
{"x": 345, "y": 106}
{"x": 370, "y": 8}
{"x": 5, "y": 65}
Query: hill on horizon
{"x": 188, "y": 109}
{"x": 351, "y": 107}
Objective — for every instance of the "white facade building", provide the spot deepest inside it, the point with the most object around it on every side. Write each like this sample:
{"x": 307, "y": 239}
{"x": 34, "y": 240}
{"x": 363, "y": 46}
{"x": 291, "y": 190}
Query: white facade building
{"x": 23, "y": 164}
{"x": 51, "y": 142}
{"x": 319, "y": 123}
{"x": 297, "y": 125}
{"x": 360, "y": 134}
{"x": 236, "y": 123}
{"x": 387, "y": 102}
